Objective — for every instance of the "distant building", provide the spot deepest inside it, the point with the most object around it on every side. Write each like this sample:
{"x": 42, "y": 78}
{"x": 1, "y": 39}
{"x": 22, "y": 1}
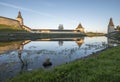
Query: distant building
{"x": 111, "y": 27}
{"x": 60, "y": 27}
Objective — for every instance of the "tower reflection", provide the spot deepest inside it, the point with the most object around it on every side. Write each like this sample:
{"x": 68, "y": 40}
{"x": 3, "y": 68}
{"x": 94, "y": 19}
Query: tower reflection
{"x": 24, "y": 65}
{"x": 80, "y": 42}
{"x": 60, "y": 43}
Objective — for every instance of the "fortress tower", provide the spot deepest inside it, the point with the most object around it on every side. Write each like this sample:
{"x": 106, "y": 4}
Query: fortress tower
{"x": 19, "y": 18}
{"x": 80, "y": 28}
{"x": 111, "y": 26}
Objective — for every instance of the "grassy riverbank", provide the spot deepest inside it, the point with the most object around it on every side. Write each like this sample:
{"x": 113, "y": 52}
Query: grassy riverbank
{"x": 91, "y": 34}
{"x": 103, "y": 67}
{"x": 115, "y": 35}
{"x": 6, "y": 28}
{"x": 14, "y": 36}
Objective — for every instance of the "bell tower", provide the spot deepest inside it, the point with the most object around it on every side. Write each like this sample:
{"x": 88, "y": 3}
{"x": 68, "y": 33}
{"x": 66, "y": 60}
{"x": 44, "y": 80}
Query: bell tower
{"x": 111, "y": 26}
{"x": 19, "y": 18}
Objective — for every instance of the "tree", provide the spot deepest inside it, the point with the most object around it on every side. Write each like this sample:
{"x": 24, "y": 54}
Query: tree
{"x": 118, "y": 27}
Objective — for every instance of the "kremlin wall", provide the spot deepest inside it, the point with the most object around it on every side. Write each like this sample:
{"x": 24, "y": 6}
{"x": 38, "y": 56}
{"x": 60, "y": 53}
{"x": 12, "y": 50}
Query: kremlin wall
{"x": 15, "y": 23}
{"x": 9, "y": 22}
{"x": 19, "y": 23}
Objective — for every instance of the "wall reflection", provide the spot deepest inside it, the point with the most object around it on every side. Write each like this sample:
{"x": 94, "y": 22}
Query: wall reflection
{"x": 21, "y": 56}
{"x": 19, "y": 46}
{"x": 79, "y": 40}
{"x": 14, "y": 45}
{"x": 47, "y": 63}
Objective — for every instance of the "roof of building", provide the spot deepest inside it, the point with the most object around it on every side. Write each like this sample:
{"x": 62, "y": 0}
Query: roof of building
{"x": 79, "y": 26}
{"x": 111, "y": 22}
{"x": 19, "y": 15}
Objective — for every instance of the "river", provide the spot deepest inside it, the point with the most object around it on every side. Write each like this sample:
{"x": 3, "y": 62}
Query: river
{"x": 17, "y": 57}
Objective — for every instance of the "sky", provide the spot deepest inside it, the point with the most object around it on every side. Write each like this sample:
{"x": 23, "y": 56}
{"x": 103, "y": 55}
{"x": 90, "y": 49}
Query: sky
{"x": 94, "y": 15}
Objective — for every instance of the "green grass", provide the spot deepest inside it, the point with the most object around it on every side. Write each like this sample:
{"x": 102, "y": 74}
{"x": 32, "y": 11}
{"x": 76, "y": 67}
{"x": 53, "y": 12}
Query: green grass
{"x": 90, "y": 34}
{"x": 117, "y": 35}
{"x": 4, "y": 28}
{"x": 103, "y": 67}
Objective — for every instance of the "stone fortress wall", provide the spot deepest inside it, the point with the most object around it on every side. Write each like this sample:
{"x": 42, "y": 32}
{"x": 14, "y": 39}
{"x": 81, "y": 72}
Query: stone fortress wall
{"x": 18, "y": 22}
{"x": 9, "y": 22}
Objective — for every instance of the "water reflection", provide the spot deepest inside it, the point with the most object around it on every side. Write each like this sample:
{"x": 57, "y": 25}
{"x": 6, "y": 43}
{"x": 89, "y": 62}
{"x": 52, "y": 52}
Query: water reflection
{"x": 47, "y": 63}
{"x": 79, "y": 42}
{"x": 21, "y": 56}
{"x": 60, "y": 43}
{"x": 112, "y": 42}
{"x": 14, "y": 45}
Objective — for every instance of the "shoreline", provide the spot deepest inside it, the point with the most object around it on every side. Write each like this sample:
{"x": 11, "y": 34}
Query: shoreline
{"x": 93, "y": 67}
{"x": 35, "y": 36}
{"x": 16, "y": 36}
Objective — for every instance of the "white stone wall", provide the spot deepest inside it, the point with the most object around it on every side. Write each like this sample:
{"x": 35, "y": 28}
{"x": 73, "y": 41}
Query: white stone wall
{"x": 111, "y": 29}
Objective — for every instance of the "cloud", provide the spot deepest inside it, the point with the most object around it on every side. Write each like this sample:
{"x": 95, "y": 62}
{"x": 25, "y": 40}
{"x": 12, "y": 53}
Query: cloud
{"x": 25, "y": 9}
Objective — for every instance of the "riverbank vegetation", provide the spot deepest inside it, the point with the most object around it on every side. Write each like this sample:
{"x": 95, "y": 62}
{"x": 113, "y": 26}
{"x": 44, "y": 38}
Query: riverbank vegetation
{"x": 100, "y": 67}
{"x": 116, "y": 35}
{"x": 9, "y": 33}
{"x": 14, "y": 36}
{"x": 6, "y": 28}
{"x": 90, "y": 34}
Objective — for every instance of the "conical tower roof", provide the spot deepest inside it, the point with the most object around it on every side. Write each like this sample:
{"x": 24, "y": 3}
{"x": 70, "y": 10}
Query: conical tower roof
{"x": 111, "y": 22}
{"x": 79, "y": 26}
{"x": 19, "y": 15}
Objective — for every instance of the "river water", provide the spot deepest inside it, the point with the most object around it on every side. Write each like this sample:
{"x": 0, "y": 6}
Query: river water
{"x": 18, "y": 57}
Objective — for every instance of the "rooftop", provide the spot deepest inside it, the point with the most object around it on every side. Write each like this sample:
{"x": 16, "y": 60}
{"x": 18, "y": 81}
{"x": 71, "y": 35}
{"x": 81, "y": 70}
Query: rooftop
{"x": 79, "y": 26}
{"x": 111, "y": 22}
{"x": 19, "y": 15}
